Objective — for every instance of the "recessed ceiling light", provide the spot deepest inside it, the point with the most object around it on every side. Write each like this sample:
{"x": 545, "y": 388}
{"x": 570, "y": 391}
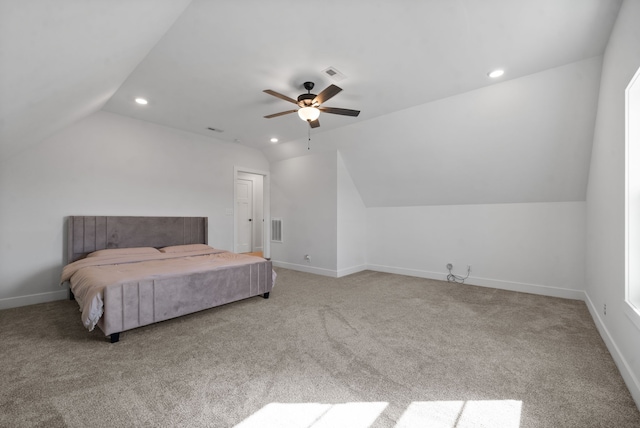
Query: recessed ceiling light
{"x": 274, "y": 140}
{"x": 142, "y": 101}
{"x": 496, "y": 73}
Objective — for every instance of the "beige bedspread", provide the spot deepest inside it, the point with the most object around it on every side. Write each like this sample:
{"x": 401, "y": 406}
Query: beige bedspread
{"x": 88, "y": 277}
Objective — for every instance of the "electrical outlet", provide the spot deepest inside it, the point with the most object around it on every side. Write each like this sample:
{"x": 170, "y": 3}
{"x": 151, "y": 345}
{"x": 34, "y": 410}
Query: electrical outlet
{"x": 307, "y": 257}
{"x": 449, "y": 266}
{"x": 605, "y": 309}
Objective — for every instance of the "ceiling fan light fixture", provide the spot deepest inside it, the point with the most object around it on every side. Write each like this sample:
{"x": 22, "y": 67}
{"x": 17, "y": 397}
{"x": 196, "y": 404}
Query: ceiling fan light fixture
{"x": 310, "y": 104}
{"x": 309, "y": 114}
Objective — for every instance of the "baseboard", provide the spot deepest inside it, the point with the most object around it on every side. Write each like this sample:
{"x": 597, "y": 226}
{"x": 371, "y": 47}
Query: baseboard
{"x": 627, "y": 374}
{"x": 521, "y": 287}
{"x": 351, "y": 270}
{"x": 32, "y": 299}
{"x": 406, "y": 271}
{"x": 306, "y": 268}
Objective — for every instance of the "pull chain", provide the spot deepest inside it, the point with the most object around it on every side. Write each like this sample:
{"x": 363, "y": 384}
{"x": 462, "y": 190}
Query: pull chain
{"x": 309, "y": 141}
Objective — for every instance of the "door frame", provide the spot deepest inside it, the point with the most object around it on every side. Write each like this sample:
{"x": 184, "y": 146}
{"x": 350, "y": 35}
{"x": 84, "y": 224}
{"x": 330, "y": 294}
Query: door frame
{"x": 266, "y": 208}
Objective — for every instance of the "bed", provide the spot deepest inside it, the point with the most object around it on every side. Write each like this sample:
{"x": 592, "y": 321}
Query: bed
{"x": 128, "y": 272}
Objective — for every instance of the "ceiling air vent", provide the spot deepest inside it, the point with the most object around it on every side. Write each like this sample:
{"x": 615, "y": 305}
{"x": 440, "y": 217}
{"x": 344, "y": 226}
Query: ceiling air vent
{"x": 334, "y": 74}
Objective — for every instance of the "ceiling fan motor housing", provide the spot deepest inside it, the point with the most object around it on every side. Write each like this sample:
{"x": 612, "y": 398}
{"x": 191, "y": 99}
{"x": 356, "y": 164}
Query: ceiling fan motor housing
{"x": 306, "y": 100}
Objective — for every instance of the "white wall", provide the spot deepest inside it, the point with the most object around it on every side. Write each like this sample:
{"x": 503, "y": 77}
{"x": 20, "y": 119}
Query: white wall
{"x": 352, "y": 224}
{"x": 304, "y": 195}
{"x": 535, "y": 248}
{"x": 107, "y": 164}
{"x": 530, "y": 247}
{"x": 606, "y": 200}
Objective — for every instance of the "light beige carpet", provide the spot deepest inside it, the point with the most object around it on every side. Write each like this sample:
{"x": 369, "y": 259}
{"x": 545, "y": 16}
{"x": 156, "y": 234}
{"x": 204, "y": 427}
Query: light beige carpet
{"x": 367, "y": 350}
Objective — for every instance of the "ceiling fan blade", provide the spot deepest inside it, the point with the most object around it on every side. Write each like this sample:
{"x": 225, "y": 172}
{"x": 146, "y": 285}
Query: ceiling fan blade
{"x": 342, "y": 111}
{"x": 314, "y": 123}
{"x": 328, "y": 93}
{"x": 279, "y": 95}
{"x": 282, "y": 113}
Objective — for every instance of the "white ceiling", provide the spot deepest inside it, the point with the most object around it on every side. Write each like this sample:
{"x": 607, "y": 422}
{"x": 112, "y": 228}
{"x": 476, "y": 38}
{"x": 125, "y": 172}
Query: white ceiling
{"x": 205, "y": 64}
{"x": 210, "y": 68}
{"x": 61, "y": 61}
{"x": 524, "y": 140}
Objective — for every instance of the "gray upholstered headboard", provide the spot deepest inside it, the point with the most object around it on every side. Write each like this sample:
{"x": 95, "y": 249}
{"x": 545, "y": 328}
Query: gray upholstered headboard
{"x": 86, "y": 234}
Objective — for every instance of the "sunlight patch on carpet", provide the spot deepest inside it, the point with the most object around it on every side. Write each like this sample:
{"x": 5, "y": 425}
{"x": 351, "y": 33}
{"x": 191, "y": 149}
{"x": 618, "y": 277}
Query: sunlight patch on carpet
{"x": 462, "y": 414}
{"x": 434, "y": 414}
{"x": 316, "y": 415}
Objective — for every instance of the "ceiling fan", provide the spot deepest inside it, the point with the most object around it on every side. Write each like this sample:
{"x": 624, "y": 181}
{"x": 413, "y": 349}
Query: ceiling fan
{"x": 310, "y": 104}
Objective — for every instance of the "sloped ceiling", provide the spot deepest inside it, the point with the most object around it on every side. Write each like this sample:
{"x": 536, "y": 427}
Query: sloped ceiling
{"x": 62, "y": 60}
{"x": 210, "y": 68}
{"x": 416, "y": 70}
{"x": 523, "y": 140}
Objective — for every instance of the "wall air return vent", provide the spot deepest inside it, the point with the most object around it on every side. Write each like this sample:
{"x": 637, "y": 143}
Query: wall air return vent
{"x": 276, "y": 230}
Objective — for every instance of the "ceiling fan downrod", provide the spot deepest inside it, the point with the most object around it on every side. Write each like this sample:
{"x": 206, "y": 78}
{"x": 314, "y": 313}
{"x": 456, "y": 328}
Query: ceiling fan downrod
{"x": 306, "y": 100}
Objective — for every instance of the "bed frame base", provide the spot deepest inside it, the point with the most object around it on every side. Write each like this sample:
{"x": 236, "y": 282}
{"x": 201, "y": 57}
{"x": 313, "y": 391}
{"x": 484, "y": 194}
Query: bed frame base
{"x": 115, "y": 337}
{"x": 135, "y": 304}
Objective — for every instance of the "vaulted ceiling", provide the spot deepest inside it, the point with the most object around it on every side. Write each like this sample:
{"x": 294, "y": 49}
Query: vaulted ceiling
{"x": 433, "y": 128}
